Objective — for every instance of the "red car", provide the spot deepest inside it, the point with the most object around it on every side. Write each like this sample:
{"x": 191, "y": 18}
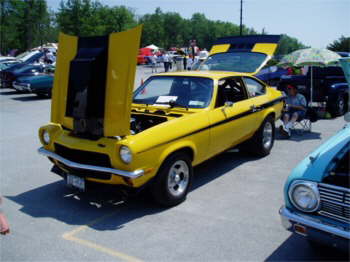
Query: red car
{"x": 143, "y": 53}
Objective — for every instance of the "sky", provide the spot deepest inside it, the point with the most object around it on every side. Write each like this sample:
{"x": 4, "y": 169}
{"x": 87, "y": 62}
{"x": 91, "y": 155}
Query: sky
{"x": 315, "y": 23}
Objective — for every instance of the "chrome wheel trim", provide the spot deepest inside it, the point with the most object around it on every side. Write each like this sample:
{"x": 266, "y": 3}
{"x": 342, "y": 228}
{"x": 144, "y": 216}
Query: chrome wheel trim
{"x": 178, "y": 178}
{"x": 267, "y": 135}
{"x": 341, "y": 105}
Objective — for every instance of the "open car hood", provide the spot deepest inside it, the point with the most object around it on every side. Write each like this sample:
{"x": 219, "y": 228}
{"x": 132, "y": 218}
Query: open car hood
{"x": 242, "y": 54}
{"x": 94, "y": 81}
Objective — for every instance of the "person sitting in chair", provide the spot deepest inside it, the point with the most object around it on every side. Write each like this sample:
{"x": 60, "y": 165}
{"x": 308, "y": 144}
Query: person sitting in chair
{"x": 295, "y": 110}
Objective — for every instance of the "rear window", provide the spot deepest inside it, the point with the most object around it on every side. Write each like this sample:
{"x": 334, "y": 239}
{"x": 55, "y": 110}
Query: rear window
{"x": 245, "y": 62}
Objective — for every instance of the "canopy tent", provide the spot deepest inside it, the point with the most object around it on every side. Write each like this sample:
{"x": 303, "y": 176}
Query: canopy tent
{"x": 153, "y": 47}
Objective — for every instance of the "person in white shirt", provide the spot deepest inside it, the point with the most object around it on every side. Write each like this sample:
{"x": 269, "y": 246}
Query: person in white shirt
{"x": 154, "y": 63}
{"x": 166, "y": 61}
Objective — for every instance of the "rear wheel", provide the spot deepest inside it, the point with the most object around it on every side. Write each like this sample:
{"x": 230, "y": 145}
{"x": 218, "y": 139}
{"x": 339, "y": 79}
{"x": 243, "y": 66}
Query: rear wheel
{"x": 173, "y": 180}
{"x": 339, "y": 107}
{"x": 262, "y": 141}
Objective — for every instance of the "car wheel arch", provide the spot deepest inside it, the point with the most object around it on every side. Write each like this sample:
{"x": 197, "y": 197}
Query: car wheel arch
{"x": 187, "y": 148}
{"x": 270, "y": 113}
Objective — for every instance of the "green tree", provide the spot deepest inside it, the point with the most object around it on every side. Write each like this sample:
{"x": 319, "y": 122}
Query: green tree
{"x": 117, "y": 19}
{"x": 89, "y": 18}
{"x": 288, "y": 44}
{"x": 24, "y": 24}
{"x": 153, "y": 28}
{"x": 340, "y": 45}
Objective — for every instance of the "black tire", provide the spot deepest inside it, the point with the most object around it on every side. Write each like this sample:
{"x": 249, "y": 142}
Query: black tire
{"x": 258, "y": 145}
{"x": 160, "y": 187}
{"x": 339, "y": 107}
{"x": 42, "y": 95}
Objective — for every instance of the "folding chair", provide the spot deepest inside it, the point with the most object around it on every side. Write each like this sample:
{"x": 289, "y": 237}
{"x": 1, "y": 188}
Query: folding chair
{"x": 302, "y": 126}
{"x": 305, "y": 124}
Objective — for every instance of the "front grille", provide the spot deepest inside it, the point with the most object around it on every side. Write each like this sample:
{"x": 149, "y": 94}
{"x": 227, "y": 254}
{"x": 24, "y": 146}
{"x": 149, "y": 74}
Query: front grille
{"x": 335, "y": 202}
{"x": 83, "y": 157}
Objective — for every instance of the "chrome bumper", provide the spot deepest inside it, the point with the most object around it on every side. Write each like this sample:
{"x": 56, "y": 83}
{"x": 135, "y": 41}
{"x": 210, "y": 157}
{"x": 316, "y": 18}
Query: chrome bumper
{"x": 21, "y": 88}
{"x": 288, "y": 218}
{"x": 123, "y": 173}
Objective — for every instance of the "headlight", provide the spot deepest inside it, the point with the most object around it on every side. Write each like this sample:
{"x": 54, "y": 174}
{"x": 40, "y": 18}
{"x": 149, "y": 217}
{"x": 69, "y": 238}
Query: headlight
{"x": 125, "y": 154}
{"x": 304, "y": 195}
{"x": 46, "y": 137}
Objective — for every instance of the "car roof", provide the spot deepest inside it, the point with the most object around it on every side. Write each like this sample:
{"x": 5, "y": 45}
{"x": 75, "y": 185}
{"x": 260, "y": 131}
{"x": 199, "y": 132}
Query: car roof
{"x": 207, "y": 74}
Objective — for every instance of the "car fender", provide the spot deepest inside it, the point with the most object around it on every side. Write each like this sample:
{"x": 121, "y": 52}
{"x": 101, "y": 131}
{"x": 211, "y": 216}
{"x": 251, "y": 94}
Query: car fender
{"x": 267, "y": 112}
{"x": 178, "y": 146}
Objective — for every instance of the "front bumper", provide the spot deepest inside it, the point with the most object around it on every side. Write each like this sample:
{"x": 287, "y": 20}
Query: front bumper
{"x": 71, "y": 164}
{"x": 315, "y": 228}
{"x": 21, "y": 87}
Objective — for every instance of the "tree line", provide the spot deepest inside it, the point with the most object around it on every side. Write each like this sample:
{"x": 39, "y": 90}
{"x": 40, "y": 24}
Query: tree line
{"x": 25, "y": 24}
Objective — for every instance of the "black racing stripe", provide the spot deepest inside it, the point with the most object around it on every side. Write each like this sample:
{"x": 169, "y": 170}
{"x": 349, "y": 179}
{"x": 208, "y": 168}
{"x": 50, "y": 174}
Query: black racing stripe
{"x": 248, "y": 39}
{"x": 241, "y": 115}
{"x": 273, "y": 102}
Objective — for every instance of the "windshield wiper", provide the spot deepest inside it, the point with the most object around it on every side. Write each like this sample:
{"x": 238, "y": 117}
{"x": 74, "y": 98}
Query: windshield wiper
{"x": 172, "y": 104}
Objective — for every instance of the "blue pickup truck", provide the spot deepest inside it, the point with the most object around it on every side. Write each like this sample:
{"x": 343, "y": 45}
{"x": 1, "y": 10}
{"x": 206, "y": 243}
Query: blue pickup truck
{"x": 329, "y": 85}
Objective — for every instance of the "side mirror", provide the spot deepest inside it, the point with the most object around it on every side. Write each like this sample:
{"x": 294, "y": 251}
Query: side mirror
{"x": 228, "y": 104}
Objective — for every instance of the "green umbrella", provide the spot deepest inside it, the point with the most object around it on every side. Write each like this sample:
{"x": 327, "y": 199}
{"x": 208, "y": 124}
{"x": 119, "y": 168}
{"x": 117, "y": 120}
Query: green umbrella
{"x": 310, "y": 57}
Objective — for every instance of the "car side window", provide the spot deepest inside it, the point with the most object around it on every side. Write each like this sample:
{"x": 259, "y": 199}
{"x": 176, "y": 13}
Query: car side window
{"x": 254, "y": 88}
{"x": 230, "y": 90}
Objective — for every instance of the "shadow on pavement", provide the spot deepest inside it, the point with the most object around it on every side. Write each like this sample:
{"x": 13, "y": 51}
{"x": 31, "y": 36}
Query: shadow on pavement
{"x": 288, "y": 251}
{"x": 299, "y": 137}
{"x": 59, "y": 202}
{"x": 7, "y": 93}
{"x": 64, "y": 204}
{"x": 218, "y": 166}
{"x": 30, "y": 98}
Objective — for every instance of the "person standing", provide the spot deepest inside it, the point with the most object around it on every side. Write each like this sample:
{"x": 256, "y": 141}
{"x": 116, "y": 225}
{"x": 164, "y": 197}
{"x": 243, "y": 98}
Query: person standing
{"x": 154, "y": 63}
{"x": 166, "y": 61}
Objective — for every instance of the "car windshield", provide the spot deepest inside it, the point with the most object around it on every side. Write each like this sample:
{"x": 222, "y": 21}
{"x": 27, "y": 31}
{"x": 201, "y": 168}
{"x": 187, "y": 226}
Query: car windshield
{"x": 175, "y": 91}
{"x": 245, "y": 62}
{"x": 26, "y": 55}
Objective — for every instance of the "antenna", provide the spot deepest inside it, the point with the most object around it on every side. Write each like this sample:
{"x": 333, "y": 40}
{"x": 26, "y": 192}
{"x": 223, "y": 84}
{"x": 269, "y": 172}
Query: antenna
{"x": 241, "y": 18}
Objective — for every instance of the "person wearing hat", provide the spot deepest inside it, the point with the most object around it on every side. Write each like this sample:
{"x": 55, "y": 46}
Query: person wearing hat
{"x": 295, "y": 110}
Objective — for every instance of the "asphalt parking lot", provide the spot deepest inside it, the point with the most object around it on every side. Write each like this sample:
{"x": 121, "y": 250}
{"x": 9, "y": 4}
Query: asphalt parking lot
{"x": 231, "y": 214}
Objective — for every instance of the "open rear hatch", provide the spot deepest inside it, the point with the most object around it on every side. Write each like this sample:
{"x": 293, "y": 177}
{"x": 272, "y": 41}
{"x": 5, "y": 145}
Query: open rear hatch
{"x": 242, "y": 54}
{"x": 94, "y": 81}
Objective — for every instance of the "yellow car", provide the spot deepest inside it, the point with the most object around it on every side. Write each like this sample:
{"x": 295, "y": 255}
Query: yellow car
{"x": 103, "y": 132}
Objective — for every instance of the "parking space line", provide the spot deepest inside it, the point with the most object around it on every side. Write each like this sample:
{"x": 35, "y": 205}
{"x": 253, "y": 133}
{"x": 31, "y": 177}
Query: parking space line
{"x": 71, "y": 237}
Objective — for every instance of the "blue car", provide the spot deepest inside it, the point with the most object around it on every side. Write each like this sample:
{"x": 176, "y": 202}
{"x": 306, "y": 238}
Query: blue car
{"x": 317, "y": 194}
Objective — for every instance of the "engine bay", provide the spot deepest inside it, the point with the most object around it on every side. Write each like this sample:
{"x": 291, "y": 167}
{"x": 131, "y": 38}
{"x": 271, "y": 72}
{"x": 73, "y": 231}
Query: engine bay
{"x": 339, "y": 174}
{"x": 142, "y": 121}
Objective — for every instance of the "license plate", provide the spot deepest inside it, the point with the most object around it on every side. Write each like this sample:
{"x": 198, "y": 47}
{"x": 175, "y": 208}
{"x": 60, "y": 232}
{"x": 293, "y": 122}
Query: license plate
{"x": 76, "y": 181}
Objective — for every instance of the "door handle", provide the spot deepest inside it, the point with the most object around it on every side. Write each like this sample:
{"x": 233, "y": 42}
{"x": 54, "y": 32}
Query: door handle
{"x": 255, "y": 108}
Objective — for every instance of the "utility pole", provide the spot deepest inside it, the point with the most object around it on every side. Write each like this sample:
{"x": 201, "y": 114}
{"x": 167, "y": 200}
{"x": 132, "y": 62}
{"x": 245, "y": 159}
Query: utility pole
{"x": 40, "y": 23}
{"x": 241, "y": 18}
{"x": 2, "y": 26}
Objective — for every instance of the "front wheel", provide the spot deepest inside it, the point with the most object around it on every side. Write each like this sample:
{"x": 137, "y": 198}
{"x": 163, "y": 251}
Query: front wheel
{"x": 173, "y": 180}
{"x": 263, "y": 140}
